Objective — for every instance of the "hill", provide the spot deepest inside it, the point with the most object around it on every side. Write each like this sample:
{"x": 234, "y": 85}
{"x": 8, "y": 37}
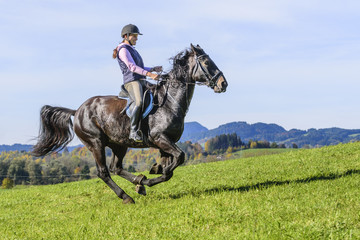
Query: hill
{"x": 276, "y": 133}
{"x": 192, "y": 128}
{"x": 304, "y": 194}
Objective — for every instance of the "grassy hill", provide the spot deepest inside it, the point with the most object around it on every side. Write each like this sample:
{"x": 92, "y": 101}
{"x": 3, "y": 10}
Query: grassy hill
{"x": 303, "y": 194}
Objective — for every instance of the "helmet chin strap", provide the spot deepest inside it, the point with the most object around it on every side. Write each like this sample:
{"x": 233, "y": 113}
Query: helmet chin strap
{"x": 128, "y": 39}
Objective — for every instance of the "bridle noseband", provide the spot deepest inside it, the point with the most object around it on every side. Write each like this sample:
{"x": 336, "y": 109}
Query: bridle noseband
{"x": 212, "y": 80}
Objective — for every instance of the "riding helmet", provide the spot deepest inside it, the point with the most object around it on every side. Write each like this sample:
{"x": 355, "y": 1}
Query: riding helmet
{"x": 129, "y": 29}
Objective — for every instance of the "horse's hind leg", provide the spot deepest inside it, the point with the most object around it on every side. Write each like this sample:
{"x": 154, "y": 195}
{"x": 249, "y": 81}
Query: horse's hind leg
{"x": 98, "y": 152}
{"x": 116, "y": 168}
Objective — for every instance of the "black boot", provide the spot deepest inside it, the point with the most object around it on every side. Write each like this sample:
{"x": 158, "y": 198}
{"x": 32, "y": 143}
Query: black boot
{"x": 135, "y": 133}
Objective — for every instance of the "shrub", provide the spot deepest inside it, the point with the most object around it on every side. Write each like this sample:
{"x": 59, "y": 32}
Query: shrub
{"x": 7, "y": 183}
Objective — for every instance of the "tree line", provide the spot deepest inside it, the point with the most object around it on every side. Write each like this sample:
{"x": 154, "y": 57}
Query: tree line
{"x": 22, "y": 168}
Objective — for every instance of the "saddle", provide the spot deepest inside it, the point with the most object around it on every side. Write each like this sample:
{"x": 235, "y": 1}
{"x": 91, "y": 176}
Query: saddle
{"x": 148, "y": 103}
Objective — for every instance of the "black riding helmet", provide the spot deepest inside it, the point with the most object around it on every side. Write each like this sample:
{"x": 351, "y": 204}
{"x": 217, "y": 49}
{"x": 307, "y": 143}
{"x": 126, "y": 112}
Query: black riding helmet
{"x": 129, "y": 29}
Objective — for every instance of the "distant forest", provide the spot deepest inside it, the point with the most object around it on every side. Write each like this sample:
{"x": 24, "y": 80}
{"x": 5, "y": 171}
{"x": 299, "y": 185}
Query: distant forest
{"x": 19, "y": 167}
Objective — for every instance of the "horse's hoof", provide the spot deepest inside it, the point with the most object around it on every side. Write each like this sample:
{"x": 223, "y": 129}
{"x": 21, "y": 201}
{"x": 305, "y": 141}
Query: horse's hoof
{"x": 140, "y": 189}
{"x": 128, "y": 200}
{"x": 156, "y": 169}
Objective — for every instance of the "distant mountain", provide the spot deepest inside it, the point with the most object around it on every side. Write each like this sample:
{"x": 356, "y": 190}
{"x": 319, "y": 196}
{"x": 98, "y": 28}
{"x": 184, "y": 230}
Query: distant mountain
{"x": 192, "y": 128}
{"x": 15, "y": 147}
{"x": 26, "y": 148}
{"x": 275, "y": 133}
{"x": 257, "y": 131}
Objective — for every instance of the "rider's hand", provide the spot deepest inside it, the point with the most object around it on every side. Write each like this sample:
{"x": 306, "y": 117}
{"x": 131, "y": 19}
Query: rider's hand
{"x": 157, "y": 69}
{"x": 153, "y": 75}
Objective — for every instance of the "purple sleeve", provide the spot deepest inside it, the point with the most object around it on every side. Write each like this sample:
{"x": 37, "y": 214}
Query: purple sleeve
{"x": 126, "y": 57}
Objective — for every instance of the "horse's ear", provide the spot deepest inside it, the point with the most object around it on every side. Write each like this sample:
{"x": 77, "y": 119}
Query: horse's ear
{"x": 197, "y": 49}
{"x": 192, "y": 48}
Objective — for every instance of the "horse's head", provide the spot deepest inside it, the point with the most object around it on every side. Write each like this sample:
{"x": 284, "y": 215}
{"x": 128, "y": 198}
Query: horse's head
{"x": 205, "y": 71}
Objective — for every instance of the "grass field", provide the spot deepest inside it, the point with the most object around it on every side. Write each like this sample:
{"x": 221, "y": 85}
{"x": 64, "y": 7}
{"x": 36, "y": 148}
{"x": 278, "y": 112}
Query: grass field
{"x": 257, "y": 152}
{"x": 303, "y": 194}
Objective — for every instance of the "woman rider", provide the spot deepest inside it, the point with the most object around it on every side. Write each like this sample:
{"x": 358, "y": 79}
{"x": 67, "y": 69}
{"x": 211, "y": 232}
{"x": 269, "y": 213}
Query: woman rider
{"x": 134, "y": 72}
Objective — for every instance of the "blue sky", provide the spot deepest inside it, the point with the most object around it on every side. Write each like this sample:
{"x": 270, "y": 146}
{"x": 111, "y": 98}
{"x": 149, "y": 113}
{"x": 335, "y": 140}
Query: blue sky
{"x": 293, "y": 63}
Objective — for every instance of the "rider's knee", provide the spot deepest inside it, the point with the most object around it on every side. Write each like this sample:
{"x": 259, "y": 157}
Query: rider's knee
{"x": 139, "y": 103}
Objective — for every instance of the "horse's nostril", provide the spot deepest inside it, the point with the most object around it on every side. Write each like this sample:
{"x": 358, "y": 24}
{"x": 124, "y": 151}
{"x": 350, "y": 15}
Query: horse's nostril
{"x": 224, "y": 86}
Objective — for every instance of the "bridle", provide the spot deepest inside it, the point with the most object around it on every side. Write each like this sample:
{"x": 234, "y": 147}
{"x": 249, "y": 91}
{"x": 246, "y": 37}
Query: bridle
{"x": 212, "y": 81}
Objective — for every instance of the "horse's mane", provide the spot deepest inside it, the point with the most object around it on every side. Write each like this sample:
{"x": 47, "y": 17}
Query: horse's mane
{"x": 180, "y": 65}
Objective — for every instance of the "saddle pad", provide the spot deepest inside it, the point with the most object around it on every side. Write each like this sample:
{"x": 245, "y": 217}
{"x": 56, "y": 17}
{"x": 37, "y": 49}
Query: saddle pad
{"x": 147, "y": 104}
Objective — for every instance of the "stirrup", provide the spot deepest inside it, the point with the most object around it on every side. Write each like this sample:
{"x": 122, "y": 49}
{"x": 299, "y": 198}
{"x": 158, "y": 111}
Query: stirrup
{"x": 136, "y": 136}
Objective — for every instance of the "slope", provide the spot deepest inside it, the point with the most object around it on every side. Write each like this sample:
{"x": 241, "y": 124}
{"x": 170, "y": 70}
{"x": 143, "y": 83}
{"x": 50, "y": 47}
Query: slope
{"x": 304, "y": 194}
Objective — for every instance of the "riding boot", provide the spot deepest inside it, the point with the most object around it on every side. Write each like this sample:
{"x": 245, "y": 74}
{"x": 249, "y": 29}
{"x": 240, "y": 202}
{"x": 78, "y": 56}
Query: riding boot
{"x": 135, "y": 132}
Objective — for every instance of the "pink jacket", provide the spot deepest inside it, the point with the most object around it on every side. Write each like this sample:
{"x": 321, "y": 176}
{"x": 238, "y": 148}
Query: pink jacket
{"x": 126, "y": 57}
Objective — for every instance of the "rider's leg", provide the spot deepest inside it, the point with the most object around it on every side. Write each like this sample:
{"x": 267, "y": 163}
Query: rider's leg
{"x": 135, "y": 90}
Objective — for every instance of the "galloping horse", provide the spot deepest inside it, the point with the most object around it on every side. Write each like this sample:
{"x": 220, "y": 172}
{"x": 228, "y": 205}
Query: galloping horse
{"x": 101, "y": 122}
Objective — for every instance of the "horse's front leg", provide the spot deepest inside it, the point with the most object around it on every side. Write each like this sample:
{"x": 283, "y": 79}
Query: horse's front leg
{"x": 174, "y": 153}
{"x": 165, "y": 161}
{"x": 116, "y": 168}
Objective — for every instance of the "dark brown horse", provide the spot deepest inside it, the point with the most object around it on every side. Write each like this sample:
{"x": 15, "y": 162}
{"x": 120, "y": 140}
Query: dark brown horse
{"x": 101, "y": 122}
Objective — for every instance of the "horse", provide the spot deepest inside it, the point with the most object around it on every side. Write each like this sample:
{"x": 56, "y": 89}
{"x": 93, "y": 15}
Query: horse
{"x": 101, "y": 122}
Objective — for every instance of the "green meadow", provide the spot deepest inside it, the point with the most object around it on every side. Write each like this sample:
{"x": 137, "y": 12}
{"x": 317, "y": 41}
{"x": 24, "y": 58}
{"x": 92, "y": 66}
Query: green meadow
{"x": 302, "y": 194}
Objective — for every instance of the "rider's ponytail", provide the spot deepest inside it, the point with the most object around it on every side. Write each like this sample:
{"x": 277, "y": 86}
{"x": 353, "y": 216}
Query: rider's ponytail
{"x": 114, "y": 53}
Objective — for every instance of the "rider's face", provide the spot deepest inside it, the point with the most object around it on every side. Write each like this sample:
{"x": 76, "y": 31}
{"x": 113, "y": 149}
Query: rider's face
{"x": 133, "y": 38}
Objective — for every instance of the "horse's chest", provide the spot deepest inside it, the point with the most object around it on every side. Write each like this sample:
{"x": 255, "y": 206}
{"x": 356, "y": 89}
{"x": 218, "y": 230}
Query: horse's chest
{"x": 170, "y": 126}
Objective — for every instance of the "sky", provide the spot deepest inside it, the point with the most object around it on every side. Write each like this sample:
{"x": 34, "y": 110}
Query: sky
{"x": 292, "y": 63}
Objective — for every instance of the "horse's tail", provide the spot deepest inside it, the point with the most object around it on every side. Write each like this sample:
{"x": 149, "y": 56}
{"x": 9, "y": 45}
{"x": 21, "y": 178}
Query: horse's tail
{"x": 55, "y": 130}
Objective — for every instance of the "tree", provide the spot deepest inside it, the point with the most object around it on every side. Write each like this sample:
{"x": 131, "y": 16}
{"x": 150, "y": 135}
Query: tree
{"x": 77, "y": 170}
{"x": 253, "y": 145}
{"x": 85, "y": 172}
{"x": 222, "y": 142}
{"x": 294, "y": 145}
{"x": 17, "y": 171}
{"x": 282, "y": 145}
{"x": 34, "y": 170}
{"x": 230, "y": 150}
{"x": 54, "y": 175}
{"x": 7, "y": 183}
{"x": 4, "y": 166}
{"x": 207, "y": 146}
{"x": 191, "y": 150}
{"x": 263, "y": 144}
{"x": 274, "y": 145}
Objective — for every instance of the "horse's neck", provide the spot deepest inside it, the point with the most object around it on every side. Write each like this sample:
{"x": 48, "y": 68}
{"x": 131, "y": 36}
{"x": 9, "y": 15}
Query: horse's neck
{"x": 179, "y": 96}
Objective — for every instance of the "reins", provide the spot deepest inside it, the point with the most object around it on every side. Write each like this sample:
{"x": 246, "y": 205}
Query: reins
{"x": 211, "y": 81}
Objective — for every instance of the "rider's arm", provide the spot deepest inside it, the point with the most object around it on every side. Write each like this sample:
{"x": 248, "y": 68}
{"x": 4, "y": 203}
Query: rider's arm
{"x": 126, "y": 57}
